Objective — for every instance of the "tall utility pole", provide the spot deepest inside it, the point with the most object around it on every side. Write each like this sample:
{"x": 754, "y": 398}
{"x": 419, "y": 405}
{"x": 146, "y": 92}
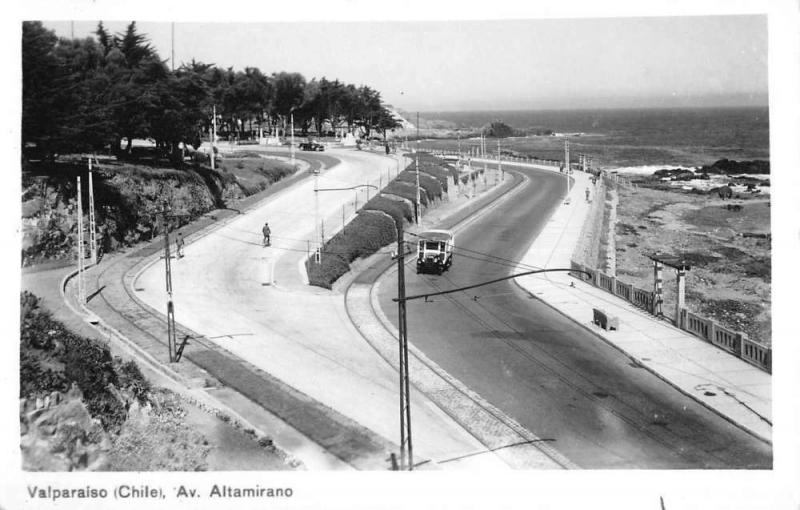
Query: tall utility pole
{"x": 416, "y": 168}
{"x": 499, "y": 161}
{"x": 171, "y": 342}
{"x": 417, "y": 211}
{"x": 81, "y": 262}
{"x": 566, "y": 164}
{"x": 405, "y": 401}
{"x": 291, "y": 114}
{"x": 213, "y": 133}
{"x": 172, "y": 60}
{"x": 92, "y": 223}
{"x": 317, "y": 240}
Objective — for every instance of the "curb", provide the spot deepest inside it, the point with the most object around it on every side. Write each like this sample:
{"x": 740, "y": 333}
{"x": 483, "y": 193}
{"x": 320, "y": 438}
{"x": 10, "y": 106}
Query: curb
{"x": 639, "y": 362}
{"x": 367, "y": 459}
{"x": 653, "y": 371}
{"x": 551, "y": 453}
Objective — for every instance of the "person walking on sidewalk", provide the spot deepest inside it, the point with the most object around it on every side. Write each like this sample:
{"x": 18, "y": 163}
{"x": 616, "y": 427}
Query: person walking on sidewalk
{"x": 179, "y": 245}
{"x": 587, "y": 194}
{"x": 266, "y": 231}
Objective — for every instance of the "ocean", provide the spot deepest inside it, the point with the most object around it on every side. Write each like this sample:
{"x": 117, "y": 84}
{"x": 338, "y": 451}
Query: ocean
{"x": 629, "y": 138}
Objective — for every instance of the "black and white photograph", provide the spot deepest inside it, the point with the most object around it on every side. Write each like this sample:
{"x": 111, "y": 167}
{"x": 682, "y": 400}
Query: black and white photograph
{"x": 534, "y": 256}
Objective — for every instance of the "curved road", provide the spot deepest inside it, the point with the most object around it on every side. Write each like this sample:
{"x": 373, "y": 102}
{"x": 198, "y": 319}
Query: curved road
{"x": 253, "y": 302}
{"x": 553, "y": 376}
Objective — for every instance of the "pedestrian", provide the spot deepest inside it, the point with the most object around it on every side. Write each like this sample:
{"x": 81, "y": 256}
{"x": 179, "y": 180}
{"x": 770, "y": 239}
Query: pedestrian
{"x": 587, "y": 193}
{"x": 266, "y": 231}
{"x": 179, "y": 245}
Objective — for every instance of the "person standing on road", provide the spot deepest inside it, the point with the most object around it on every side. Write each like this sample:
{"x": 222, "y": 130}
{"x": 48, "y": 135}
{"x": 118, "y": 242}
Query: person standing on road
{"x": 587, "y": 193}
{"x": 179, "y": 245}
{"x": 266, "y": 231}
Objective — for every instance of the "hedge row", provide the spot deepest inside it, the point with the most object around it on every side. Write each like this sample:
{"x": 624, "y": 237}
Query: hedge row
{"x": 407, "y": 190}
{"x": 428, "y": 160}
{"x": 431, "y": 185}
{"x": 472, "y": 176}
{"x": 399, "y": 210}
{"x": 368, "y": 232}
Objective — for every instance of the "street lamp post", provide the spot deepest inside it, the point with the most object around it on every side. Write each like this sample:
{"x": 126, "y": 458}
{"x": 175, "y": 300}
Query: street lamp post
{"x": 291, "y": 122}
{"x": 566, "y": 167}
{"x": 317, "y": 230}
{"x": 213, "y": 133}
{"x": 416, "y": 168}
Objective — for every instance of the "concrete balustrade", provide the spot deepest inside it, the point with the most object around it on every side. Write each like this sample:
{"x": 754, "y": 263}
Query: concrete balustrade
{"x": 756, "y": 354}
{"x": 642, "y": 298}
{"x": 731, "y": 341}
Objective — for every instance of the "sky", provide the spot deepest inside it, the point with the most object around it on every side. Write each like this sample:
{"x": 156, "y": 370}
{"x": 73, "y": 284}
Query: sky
{"x": 716, "y": 60}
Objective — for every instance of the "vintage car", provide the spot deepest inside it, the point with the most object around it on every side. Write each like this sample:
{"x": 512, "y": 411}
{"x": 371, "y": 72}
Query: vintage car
{"x": 312, "y": 146}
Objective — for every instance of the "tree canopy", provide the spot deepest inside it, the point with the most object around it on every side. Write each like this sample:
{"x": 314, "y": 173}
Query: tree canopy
{"x": 90, "y": 94}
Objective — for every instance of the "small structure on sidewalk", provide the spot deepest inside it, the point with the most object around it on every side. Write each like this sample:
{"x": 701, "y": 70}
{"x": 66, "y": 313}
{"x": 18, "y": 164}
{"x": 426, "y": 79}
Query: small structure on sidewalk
{"x": 681, "y": 265}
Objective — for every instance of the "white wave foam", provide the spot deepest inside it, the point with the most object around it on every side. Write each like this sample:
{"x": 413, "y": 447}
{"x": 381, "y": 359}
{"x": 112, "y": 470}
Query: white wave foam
{"x": 648, "y": 169}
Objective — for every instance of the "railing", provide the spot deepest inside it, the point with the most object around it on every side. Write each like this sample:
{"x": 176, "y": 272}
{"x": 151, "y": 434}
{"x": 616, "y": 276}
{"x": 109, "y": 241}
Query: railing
{"x": 605, "y": 282}
{"x": 731, "y": 341}
{"x": 623, "y": 290}
{"x": 756, "y": 354}
{"x": 695, "y": 324}
{"x": 726, "y": 339}
{"x": 642, "y": 299}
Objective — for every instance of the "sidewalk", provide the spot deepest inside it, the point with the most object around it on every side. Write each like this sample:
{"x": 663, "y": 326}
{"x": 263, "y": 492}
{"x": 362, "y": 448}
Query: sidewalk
{"x": 318, "y": 436}
{"x": 241, "y": 301}
{"x": 731, "y": 387}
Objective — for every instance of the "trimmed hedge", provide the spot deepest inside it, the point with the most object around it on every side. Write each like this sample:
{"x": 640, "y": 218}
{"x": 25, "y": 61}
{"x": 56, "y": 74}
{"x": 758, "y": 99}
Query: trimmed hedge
{"x": 363, "y": 236}
{"x": 407, "y": 190}
{"x": 428, "y": 162}
{"x": 397, "y": 209}
{"x": 442, "y": 172}
{"x": 472, "y": 176}
{"x": 371, "y": 230}
{"x": 431, "y": 185}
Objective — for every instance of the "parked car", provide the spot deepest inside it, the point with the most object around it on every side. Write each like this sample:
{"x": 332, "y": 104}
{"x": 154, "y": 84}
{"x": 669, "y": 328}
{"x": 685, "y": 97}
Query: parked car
{"x": 312, "y": 146}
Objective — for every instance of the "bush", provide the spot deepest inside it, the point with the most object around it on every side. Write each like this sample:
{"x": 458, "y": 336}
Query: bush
{"x": 363, "y": 236}
{"x": 397, "y": 209}
{"x": 431, "y": 164}
{"x": 406, "y": 190}
{"x": 52, "y": 358}
{"x": 431, "y": 185}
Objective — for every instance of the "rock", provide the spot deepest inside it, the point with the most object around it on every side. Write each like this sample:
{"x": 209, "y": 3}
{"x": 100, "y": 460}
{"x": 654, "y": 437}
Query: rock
{"x": 61, "y": 435}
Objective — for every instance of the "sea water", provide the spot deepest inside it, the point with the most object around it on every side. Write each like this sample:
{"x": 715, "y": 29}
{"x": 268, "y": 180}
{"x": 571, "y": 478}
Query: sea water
{"x": 638, "y": 140}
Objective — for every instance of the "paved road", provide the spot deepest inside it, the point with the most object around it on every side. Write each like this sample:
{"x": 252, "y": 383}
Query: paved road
{"x": 550, "y": 374}
{"x": 252, "y": 301}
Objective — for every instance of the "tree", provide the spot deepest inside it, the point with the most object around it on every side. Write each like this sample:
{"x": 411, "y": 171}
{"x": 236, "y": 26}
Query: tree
{"x": 288, "y": 93}
{"x": 247, "y": 98}
{"x": 43, "y": 80}
{"x": 386, "y": 121}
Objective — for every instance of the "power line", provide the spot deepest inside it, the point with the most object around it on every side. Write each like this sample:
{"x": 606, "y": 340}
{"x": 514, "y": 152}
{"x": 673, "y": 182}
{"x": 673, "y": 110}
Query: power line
{"x": 511, "y": 263}
{"x": 489, "y": 282}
